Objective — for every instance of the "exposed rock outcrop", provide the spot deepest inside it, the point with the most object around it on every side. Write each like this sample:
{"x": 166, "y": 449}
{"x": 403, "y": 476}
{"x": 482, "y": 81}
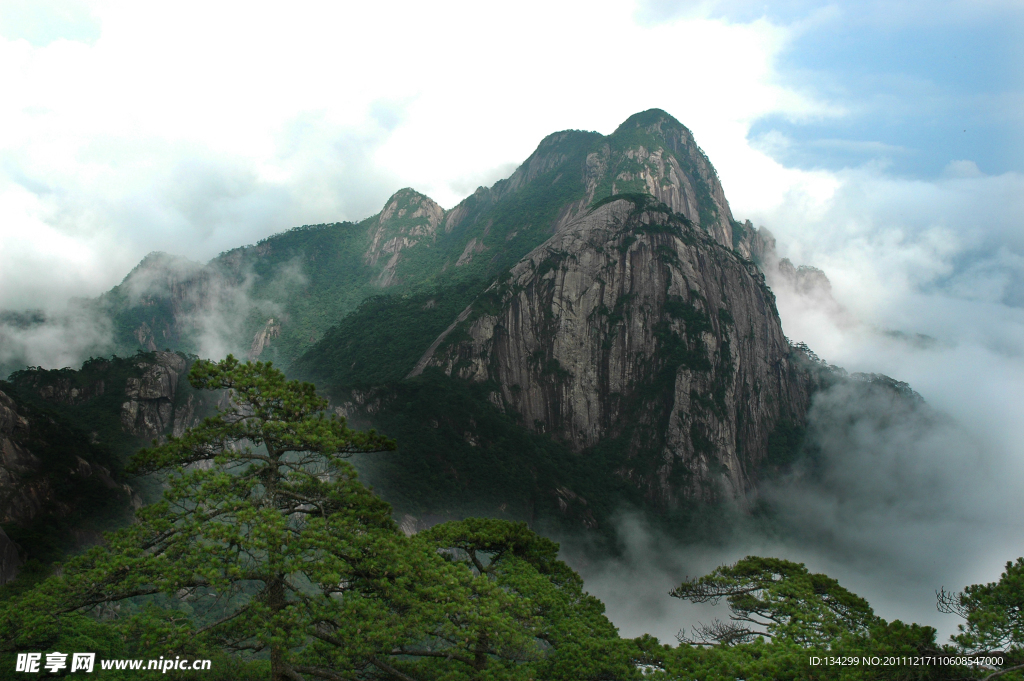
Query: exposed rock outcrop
{"x": 806, "y": 280}
{"x": 472, "y": 248}
{"x": 151, "y": 404}
{"x": 637, "y": 326}
{"x": 756, "y": 245}
{"x": 786, "y": 279}
{"x": 65, "y": 392}
{"x": 261, "y": 341}
{"x": 21, "y": 496}
{"x": 407, "y": 219}
{"x": 653, "y": 153}
{"x": 173, "y": 292}
{"x": 149, "y": 409}
{"x": 650, "y": 153}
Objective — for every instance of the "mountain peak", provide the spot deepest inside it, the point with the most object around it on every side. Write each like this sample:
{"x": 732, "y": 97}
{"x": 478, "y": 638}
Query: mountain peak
{"x": 161, "y": 261}
{"x": 651, "y": 120}
{"x": 408, "y": 217}
{"x": 406, "y": 194}
{"x": 409, "y": 202}
{"x": 653, "y": 153}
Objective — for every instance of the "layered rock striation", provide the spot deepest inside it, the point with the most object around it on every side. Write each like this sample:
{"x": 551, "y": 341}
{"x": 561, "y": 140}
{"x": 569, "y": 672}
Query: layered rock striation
{"x": 635, "y": 327}
{"x": 149, "y": 409}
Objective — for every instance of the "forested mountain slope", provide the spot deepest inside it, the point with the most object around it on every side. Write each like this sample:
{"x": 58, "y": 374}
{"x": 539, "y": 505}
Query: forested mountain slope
{"x": 281, "y": 295}
{"x": 589, "y": 334}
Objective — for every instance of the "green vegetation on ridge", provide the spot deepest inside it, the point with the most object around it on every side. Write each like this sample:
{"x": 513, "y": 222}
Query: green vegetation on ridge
{"x": 276, "y": 563}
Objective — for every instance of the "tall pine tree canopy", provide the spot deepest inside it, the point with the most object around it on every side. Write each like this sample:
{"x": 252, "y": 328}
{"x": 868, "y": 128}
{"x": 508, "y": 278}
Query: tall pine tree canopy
{"x": 266, "y": 545}
{"x": 268, "y": 556}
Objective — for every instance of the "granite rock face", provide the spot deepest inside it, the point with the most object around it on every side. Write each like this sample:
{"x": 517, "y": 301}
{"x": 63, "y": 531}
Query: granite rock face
{"x": 756, "y": 245}
{"x": 261, "y": 341}
{"x": 20, "y": 498}
{"x": 149, "y": 408}
{"x": 639, "y": 327}
{"x": 652, "y": 153}
{"x": 407, "y": 219}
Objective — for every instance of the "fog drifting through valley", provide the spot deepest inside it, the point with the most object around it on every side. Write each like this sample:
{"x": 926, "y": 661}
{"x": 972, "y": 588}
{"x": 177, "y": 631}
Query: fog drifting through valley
{"x": 908, "y": 500}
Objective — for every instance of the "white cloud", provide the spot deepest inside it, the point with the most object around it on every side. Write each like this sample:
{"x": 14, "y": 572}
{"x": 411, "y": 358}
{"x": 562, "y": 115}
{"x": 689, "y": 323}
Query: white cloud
{"x": 41, "y": 22}
{"x": 962, "y": 168}
{"x": 943, "y": 258}
{"x": 210, "y": 126}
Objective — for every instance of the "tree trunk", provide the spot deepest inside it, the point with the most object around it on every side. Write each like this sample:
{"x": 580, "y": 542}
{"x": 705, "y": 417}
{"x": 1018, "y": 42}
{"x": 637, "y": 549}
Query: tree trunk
{"x": 275, "y": 600}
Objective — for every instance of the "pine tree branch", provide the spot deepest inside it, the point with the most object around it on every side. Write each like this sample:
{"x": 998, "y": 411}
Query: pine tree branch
{"x": 320, "y": 673}
{"x": 384, "y": 666}
{"x": 448, "y": 655}
{"x": 1003, "y": 671}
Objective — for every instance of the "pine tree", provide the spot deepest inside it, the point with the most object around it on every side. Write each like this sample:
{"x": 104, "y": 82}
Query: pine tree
{"x": 265, "y": 541}
{"x": 267, "y": 545}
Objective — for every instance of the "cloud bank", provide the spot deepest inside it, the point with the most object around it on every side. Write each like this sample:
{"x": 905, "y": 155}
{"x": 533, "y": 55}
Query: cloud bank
{"x": 900, "y": 497}
{"x": 156, "y": 132}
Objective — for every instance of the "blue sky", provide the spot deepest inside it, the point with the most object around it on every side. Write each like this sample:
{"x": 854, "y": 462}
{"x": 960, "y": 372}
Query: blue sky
{"x": 921, "y": 84}
{"x": 917, "y": 96}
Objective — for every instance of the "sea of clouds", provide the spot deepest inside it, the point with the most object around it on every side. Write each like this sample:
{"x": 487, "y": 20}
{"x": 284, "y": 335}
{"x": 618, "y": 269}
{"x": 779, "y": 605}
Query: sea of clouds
{"x": 907, "y": 497}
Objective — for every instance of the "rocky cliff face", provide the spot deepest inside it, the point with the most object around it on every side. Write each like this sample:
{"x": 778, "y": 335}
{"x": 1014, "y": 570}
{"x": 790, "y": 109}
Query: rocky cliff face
{"x": 638, "y": 327}
{"x": 261, "y": 341}
{"x": 149, "y": 408}
{"x": 145, "y": 389}
{"x": 64, "y": 434}
{"x": 20, "y": 499}
{"x": 652, "y": 153}
{"x": 168, "y": 295}
{"x": 408, "y": 218}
